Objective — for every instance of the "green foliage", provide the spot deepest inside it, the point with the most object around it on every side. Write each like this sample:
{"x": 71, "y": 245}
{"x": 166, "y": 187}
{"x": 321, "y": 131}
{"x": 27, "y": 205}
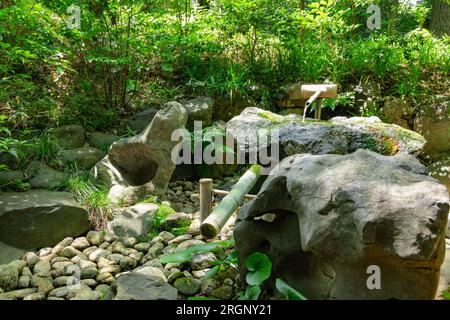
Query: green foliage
{"x": 289, "y": 292}
{"x": 259, "y": 269}
{"x": 93, "y": 196}
{"x": 186, "y": 255}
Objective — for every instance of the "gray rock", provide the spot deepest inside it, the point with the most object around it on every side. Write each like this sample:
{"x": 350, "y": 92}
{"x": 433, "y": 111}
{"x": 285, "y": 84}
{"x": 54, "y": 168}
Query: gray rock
{"x": 133, "y": 221}
{"x": 42, "y": 176}
{"x": 151, "y": 271}
{"x": 42, "y": 282}
{"x": 136, "y": 286}
{"x": 399, "y": 112}
{"x": 202, "y": 260}
{"x": 42, "y": 267}
{"x": 61, "y": 245}
{"x": 142, "y": 165}
{"x": 180, "y": 239}
{"x": 138, "y": 122}
{"x": 9, "y": 277}
{"x": 155, "y": 250}
{"x": 102, "y": 141}
{"x": 88, "y": 295}
{"x": 338, "y": 136}
{"x": 89, "y": 282}
{"x": 224, "y": 292}
{"x": 22, "y": 293}
{"x": 9, "y": 253}
{"x": 106, "y": 278}
{"x": 37, "y": 219}
{"x": 106, "y": 291}
{"x": 35, "y": 296}
{"x": 175, "y": 219}
{"x": 433, "y": 121}
{"x": 70, "y": 252}
{"x": 142, "y": 247}
{"x": 61, "y": 281}
{"x": 31, "y": 258}
{"x": 10, "y": 177}
{"x": 69, "y": 137}
{"x": 187, "y": 286}
{"x": 83, "y": 158}
{"x": 24, "y": 282}
{"x": 199, "y": 109}
{"x": 80, "y": 243}
{"x": 341, "y": 214}
{"x": 45, "y": 251}
{"x": 95, "y": 238}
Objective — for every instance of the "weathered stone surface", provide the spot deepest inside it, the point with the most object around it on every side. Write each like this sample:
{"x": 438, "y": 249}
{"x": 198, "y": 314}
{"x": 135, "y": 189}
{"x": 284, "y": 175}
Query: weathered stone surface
{"x": 338, "y": 215}
{"x": 95, "y": 238}
{"x": 43, "y": 177}
{"x": 199, "y": 109}
{"x": 138, "y": 166}
{"x": 9, "y": 253}
{"x": 338, "y": 136}
{"x": 37, "y": 219}
{"x": 9, "y": 277}
{"x": 433, "y": 122}
{"x": 69, "y": 137}
{"x": 102, "y": 140}
{"x": 133, "y": 221}
{"x": 187, "y": 286}
{"x": 10, "y": 177}
{"x": 136, "y": 286}
{"x": 83, "y": 158}
{"x": 138, "y": 122}
{"x": 151, "y": 271}
{"x": 399, "y": 112}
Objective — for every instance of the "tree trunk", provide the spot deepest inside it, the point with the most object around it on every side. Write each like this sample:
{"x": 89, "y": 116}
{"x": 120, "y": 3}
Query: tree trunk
{"x": 440, "y": 17}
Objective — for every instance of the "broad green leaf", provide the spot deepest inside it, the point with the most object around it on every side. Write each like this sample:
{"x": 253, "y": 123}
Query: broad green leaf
{"x": 186, "y": 255}
{"x": 259, "y": 267}
{"x": 252, "y": 293}
{"x": 289, "y": 292}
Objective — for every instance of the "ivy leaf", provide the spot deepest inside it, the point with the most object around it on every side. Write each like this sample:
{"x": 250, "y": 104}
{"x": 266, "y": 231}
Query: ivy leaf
{"x": 259, "y": 267}
{"x": 252, "y": 293}
{"x": 289, "y": 292}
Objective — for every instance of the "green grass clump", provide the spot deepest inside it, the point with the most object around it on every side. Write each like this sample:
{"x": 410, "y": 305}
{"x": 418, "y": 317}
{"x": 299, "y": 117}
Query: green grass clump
{"x": 93, "y": 196}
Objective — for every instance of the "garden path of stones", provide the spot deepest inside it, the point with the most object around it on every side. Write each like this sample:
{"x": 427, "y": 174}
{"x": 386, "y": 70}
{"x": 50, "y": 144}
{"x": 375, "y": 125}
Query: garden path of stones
{"x": 109, "y": 267}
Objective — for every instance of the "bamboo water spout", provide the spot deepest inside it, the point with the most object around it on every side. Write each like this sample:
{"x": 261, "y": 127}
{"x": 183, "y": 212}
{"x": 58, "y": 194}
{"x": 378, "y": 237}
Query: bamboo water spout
{"x": 212, "y": 225}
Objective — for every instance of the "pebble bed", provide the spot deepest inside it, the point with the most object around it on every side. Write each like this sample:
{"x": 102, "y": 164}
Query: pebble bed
{"x": 88, "y": 267}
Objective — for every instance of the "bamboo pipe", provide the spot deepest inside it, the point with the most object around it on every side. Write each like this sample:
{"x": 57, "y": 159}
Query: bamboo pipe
{"x": 217, "y": 219}
{"x": 205, "y": 197}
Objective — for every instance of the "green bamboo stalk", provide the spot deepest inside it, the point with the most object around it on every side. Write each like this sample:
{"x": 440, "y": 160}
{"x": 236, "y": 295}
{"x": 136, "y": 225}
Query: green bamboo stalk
{"x": 220, "y": 215}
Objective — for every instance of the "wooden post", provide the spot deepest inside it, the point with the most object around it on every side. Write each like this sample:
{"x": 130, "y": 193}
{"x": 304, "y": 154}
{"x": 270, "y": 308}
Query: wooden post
{"x": 205, "y": 197}
{"x": 217, "y": 219}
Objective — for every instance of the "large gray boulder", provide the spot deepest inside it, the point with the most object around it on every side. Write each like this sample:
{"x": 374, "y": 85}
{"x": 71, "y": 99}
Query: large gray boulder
{"x": 336, "y": 216}
{"x": 102, "y": 140}
{"x": 82, "y": 158}
{"x": 138, "y": 166}
{"x": 199, "y": 109}
{"x": 339, "y": 136}
{"x": 433, "y": 122}
{"x": 69, "y": 136}
{"x": 138, "y": 286}
{"x": 42, "y": 176}
{"x": 133, "y": 221}
{"x": 138, "y": 122}
{"x": 36, "y": 219}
